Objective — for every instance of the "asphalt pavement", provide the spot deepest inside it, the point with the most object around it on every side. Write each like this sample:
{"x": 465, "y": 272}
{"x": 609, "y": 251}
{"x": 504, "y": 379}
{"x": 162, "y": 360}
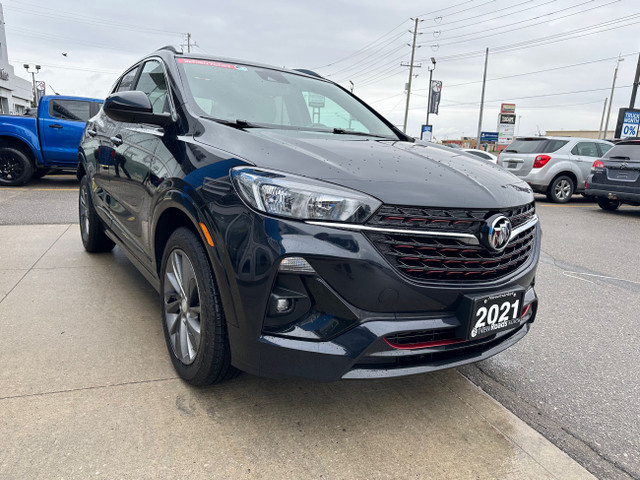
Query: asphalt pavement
{"x": 575, "y": 377}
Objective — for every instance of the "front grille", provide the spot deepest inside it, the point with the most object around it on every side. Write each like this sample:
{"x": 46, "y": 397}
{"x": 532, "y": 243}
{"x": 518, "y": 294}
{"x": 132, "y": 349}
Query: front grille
{"x": 431, "y": 257}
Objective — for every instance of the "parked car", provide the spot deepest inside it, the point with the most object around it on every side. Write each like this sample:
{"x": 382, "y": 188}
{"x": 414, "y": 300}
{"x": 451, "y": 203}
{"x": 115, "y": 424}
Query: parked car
{"x": 30, "y": 147}
{"x": 489, "y": 157}
{"x": 293, "y": 231}
{"x": 556, "y": 166}
{"x": 615, "y": 178}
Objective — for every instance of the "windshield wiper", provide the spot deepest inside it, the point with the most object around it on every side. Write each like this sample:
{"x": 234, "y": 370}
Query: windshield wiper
{"x": 238, "y": 123}
{"x": 342, "y": 131}
{"x": 619, "y": 157}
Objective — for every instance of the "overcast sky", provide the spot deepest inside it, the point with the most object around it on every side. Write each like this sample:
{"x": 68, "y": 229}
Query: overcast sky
{"x": 571, "y": 44}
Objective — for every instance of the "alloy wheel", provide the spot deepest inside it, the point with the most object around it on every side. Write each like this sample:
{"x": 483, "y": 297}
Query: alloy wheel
{"x": 84, "y": 212}
{"x": 562, "y": 189}
{"x": 182, "y": 306}
{"x": 10, "y": 168}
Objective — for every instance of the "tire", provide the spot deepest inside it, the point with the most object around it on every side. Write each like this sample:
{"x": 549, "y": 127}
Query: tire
{"x": 91, "y": 228}
{"x": 561, "y": 189}
{"x": 193, "y": 320}
{"x": 15, "y": 167}
{"x": 609, "y": 205}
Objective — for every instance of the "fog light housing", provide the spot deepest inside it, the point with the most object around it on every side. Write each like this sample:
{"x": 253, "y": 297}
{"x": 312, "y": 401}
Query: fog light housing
{"x": 283, "y": 304}
{"x": 295, "y": 265}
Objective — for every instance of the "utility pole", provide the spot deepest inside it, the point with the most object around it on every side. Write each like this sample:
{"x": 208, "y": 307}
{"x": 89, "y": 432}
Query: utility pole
{"x": 604, "y": 109}
{"x": 433, "y": 61}
{"x": 634, "y": 90}
{"x": 413, "y": 52}
{"x": 33, "y": 80}
{"x": 613, "y": 87}
{"x": 484, "y": 82}
{"x": 352, "y": 85}
{"x": 189, "y": 44}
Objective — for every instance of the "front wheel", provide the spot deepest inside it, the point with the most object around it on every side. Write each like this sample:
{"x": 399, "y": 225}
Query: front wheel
{"x": 560, "y": 189}
{"x": 606, "y": 204}
{"x": 194, "y": 324}
{"x": 91, "y": 229}
{"x": 15, "y": 167}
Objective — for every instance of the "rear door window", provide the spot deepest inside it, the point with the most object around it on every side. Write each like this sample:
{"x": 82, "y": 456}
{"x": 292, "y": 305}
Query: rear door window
{"x": 73, "y": 110}
{"x": 585, "y": 149}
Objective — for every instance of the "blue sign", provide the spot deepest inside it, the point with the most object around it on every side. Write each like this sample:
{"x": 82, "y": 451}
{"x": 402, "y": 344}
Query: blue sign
{"x": 488, "y": 136}
{"x": 426, "y": 132}
{"x": 630, "y": 124}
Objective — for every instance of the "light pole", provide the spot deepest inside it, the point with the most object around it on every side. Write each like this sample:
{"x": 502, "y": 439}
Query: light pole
{"x": 33, "y": 80}
{"x": 519, "y": 120}
{"x": 433, "y": 61}
{"x": 613, "y": 87}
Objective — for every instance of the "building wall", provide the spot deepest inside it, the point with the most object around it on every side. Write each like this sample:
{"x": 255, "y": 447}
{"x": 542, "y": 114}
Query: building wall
{"x": 573, "y": 133}
{"x": 15, "y": 92}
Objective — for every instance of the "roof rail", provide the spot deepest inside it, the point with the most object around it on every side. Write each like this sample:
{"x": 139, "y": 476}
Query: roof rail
{"x": 172, "y": 48}
{"x": 308, "y": 72}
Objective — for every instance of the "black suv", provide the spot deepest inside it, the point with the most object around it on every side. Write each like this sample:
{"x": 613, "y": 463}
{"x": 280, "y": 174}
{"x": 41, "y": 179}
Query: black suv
{"x": 615, "y": 178}
{"x": 293, "y": 231}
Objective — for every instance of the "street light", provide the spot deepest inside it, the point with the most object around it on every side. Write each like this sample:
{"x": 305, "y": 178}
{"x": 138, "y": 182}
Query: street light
{"x": 33, "y": 80}
{"x": 433, "y": 61}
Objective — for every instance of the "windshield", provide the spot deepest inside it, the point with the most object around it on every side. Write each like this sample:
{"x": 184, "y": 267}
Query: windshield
{"x": 535, "y": 145}
{"x": 272, "y": 98}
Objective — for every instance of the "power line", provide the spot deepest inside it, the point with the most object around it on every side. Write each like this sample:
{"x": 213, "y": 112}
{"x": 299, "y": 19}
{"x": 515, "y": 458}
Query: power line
{"x": 527, "y": 20}
{"x": 87, "y": 19}
{"x": 536, "y": 71}
{"x": 500, "y": 10}
{"x": 463, "y": 10}
{"x": 67, "y": 67}
{"x": 546, "y": 39}
{"x": 376, "y": 59}
{"x": 535, "y": 96}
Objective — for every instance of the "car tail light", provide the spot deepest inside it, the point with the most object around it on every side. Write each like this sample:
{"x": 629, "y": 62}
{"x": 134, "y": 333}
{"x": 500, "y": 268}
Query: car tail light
{"x": 541, "y": 161}
{"x": 597, "y": 166}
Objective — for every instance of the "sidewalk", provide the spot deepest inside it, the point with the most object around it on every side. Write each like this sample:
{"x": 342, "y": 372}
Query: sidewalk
{"x": 87, "y": 390}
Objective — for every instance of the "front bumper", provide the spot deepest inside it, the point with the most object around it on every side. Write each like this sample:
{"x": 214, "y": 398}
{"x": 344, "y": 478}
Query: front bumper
{"x": 348, "y": 306}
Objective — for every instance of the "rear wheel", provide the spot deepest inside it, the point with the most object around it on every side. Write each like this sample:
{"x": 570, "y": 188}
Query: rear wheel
{"x": 194, "y": 324}
{"x": 91, "y": 229}
{"x": 15, "y": 167}
{"x": 561, "y": 189}
{"x": 606, "y": 204}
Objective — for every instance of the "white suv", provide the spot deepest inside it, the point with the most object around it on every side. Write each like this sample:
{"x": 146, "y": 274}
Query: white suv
{"x": 557, "y": 166}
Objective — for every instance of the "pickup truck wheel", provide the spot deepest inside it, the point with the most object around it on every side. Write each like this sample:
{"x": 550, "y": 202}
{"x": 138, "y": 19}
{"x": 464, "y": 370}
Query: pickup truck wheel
{"x": 91, "y": 229}
{"x": 194, "y": 325}
{"x": 606, "y": 204}
{"x": 15, "y": 167}
{"x": 560, "y": 189}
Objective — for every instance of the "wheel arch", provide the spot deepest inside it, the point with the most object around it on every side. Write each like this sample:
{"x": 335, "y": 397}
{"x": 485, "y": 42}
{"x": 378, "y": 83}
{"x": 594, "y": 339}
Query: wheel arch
{"x": 177, "y": 210}
{"x": 19, "y": 144}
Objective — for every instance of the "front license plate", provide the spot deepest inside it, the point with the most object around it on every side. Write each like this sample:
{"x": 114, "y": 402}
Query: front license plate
{"x": 495, "y": 313}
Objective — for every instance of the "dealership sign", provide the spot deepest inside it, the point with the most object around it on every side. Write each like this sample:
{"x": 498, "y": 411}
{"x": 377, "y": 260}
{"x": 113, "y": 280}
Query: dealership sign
{"x": 628, "y": 122}
{"x": 506, "y": 128}
{"x": 508, "y": 108}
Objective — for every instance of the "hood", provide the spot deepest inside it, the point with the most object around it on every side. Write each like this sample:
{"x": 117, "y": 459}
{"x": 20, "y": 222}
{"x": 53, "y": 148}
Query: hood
{"x": 395, "y": 172}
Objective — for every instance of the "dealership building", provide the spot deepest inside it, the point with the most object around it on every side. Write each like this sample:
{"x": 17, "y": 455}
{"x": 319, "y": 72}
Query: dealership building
{"x": 15, "y": 92}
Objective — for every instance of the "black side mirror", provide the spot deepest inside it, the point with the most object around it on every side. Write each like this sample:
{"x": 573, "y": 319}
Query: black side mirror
{"x": 134, "y": 107}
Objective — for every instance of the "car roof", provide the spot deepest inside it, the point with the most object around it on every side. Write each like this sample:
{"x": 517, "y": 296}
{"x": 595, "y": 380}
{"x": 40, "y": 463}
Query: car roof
{"x": 177, "y": 52}
{"x": 578, "y": 139}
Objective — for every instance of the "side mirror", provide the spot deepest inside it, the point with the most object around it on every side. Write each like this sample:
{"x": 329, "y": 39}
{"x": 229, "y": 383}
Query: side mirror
{"x": 134, "y": 107}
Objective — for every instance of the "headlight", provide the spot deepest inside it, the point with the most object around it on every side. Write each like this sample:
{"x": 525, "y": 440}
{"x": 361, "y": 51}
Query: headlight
{"x": 286, "y": 195}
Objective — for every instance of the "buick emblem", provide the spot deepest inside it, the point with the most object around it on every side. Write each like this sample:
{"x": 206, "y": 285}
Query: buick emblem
{"x": 496, "y": 233}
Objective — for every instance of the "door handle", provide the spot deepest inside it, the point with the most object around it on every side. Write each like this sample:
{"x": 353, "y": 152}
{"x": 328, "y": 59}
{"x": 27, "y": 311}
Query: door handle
{"x": 91, "y": 132}
{"x": 117, "y": 140}
{"x": 55, "y": 125}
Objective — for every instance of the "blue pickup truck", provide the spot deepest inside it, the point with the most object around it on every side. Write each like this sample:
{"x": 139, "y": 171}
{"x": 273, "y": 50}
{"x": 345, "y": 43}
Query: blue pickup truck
{"x": 31, "y": 147}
